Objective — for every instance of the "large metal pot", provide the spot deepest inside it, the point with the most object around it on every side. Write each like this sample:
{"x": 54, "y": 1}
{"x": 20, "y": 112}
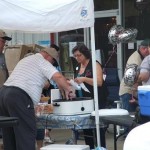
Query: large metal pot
{"x": 81, "y": 105}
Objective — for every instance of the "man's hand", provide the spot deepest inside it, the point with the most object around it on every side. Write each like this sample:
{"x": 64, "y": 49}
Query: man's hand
{"x": 70, "y": 93}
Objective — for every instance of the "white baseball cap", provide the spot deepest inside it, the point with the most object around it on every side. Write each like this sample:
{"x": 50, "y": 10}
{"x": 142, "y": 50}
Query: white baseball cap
{"x": 4, "y": 36}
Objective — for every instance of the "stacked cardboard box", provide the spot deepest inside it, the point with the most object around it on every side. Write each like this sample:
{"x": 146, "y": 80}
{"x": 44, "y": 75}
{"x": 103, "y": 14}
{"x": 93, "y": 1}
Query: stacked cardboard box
{"x": 15, "y": 53}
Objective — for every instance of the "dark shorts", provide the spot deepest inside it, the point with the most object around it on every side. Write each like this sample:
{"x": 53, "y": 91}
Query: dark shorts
{"x": 40, "y": 134}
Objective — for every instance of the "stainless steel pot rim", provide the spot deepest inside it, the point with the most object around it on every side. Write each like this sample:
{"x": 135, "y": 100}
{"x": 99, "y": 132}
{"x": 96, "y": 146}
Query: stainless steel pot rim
{"x": 74, "y": 99}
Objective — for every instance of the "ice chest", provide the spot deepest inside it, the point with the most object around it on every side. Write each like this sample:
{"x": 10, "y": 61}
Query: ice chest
{"x": 65, "y": 147}
{"x": 144, "y": 99}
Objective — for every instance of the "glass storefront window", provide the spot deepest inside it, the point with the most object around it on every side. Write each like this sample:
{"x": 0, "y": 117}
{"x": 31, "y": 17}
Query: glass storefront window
{"x": 133, "y": 17}
{"x": 67, "y": 62}
{"x": 105, "y": 4}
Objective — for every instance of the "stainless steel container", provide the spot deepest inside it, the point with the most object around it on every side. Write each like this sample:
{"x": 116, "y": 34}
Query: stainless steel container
{"x": 81, "y": 105}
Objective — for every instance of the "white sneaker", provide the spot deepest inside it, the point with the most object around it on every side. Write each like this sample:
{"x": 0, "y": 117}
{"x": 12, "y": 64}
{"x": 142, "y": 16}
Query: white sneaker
{"x": 48, "y": 140}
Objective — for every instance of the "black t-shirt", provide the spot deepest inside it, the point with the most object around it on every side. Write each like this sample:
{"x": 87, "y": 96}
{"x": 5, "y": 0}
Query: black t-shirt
{"x": 102, "y": 90}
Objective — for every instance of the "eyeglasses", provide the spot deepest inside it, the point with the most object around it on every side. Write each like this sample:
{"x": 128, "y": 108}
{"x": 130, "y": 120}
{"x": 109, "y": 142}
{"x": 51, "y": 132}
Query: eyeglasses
{"x": 78, "y": 55}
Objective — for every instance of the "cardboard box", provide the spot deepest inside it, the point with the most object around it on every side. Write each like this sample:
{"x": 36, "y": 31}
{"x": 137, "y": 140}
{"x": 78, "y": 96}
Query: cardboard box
{"x": 15, "y": 53}
{"x": 36, "y": 48}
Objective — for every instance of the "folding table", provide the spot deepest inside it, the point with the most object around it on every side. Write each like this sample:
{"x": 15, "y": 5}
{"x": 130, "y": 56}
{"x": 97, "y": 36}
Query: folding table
{"x": 122, "y": 120}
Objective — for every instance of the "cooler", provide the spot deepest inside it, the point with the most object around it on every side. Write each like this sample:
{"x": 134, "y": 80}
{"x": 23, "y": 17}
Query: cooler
{"x": 65, "y": 147}
{"x": 144, "y": 99}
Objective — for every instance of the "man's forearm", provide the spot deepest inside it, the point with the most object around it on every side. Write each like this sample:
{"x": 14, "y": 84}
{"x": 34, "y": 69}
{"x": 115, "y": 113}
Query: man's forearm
{"x": 61, "y": 81}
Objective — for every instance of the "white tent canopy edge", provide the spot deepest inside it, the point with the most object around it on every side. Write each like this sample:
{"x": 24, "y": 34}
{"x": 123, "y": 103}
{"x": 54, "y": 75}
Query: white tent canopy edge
{"x": 52, "y": 16}
{"x": 48, "y": 16}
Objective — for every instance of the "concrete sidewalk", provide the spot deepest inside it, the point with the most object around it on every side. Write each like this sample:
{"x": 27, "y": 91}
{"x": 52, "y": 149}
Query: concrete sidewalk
{"x": 61, "y": 136}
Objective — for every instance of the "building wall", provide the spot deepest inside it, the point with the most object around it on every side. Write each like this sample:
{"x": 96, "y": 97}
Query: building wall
{"x": 19, "y": 38}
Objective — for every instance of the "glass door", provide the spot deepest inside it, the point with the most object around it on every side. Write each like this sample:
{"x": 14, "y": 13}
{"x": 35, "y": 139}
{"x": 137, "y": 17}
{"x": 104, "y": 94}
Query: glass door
{"x": 108, "y": 53}
{"x": 111, "y": 56}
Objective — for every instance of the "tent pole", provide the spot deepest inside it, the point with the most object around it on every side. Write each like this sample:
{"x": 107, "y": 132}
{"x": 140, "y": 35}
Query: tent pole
{"x": 95, "y": 86}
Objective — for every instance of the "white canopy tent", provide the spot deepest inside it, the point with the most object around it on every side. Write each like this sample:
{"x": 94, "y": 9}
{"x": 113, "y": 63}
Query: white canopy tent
{"x": 46, "y": 16}
{"x": 51, "y": 16}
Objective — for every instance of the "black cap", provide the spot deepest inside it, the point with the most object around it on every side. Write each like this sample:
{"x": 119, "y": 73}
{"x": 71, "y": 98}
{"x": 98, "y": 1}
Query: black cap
{"x": 145, "y": 42}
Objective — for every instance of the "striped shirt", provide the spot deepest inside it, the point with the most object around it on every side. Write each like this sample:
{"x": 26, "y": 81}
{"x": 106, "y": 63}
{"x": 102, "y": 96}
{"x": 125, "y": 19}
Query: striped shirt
{"x": 30, "y": 74}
